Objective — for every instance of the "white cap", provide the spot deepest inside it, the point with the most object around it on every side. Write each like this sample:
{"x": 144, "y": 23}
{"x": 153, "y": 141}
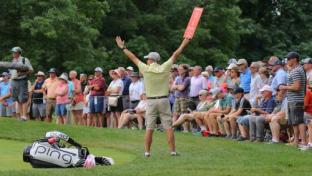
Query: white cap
{"x": 153, "y": 55}
{"x": 64, "y": 77}
{"x": 130, "y": 68}
{"x": 40, "y": 73}
{"x": 215, "y": 91}
{"x": 16, "y": 49}
{"x": 98, "y": 69}
{"x": 242, "y": 61}
{"x": 203, "y": 92}
{"x": 231, "y": 66}
{"x": 266, "y": 88}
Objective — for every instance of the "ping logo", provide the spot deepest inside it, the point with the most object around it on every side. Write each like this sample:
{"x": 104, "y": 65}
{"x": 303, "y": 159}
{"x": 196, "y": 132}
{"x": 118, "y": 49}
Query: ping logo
{"x": 55, "y": 154}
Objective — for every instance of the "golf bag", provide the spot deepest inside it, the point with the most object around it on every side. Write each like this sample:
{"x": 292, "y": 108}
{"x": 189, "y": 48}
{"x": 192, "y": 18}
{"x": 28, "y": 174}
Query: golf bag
{"x": 51, "y": 153}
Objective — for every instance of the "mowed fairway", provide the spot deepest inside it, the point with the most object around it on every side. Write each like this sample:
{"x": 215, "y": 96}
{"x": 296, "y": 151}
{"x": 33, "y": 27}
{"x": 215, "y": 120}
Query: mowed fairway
{"x": 199, "y": 156}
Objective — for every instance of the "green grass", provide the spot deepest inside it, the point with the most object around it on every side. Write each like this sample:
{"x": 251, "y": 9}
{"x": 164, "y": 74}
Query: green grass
{"x": 199, "y": 156}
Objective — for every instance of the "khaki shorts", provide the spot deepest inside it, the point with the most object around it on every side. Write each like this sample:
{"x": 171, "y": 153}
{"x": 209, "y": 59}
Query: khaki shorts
{"x": 181, "y": 105}
{"x": 50, "y": 107}
{"x": 158, "y": 108}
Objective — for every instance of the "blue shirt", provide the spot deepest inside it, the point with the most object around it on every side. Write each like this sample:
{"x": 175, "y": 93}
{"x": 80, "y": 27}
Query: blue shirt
{"x": 245, "y": 80}
{"x": 279, "y": 78}
{"x": 71, "y": 89}
{"x": 268, "y": 105}
{"x": 5, "y": 88}
{"x": 126, "y": 82}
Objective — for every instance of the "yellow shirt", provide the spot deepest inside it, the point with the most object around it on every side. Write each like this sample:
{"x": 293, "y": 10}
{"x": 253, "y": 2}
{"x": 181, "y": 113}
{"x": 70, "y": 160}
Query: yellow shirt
{"x": 156, "y": 78}
{"x": 50, "y": 85}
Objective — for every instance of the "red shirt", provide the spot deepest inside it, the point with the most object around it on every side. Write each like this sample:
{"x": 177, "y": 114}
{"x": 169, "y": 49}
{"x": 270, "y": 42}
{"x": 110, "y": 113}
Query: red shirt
{"x": 308, "y": 101}
{"x": 101, "y": 84}
{"x": 78, "y": 97}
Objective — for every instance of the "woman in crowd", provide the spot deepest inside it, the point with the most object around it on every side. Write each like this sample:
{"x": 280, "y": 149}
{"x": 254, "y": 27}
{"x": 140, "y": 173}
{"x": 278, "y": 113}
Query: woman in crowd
{"x": 62, "y": 99}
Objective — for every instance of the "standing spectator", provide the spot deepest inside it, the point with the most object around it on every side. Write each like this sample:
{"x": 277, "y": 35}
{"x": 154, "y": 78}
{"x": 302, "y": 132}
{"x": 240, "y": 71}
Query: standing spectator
{"x": 83, "y": 78}
{"x": 173, "y": 75}
{"x": 129, "y": 70}
{"x": 255, "y": 83}
{"x": 307, "y": 65}
{"x": 115, "y": 89}
{"x": 211, "y": 78}
{"x": 219, "y": 77}
{"x": 62, "y": 99}
{"x": 77, "y": 100}
{"x": 245, "y": 76}
{"x": 6, "y": 100}
{"x": 48, "y": 89}
{"x": 198, "y": 82}
{"x": 97, "y": 87}
{"x": 156, "y": 81}
{"x": 126, "y": 83}
{"x": 136, "y": 90}
{"x": 181, "y": 88}
{"x": 38, "y": 103}
{"x": 20, "y": 82}
{"x": 279, "y": 75}
{"x": 296, "y": 88}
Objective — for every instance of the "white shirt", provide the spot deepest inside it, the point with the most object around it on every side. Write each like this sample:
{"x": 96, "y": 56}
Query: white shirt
{"x": 198, "y": 83}
{"x": 309, "y": 77}
{"x": 117, "y": 83}
{"x": 255, "y": 86}
{"x": 135, "y": 90}
{"x": 142, "y": 105}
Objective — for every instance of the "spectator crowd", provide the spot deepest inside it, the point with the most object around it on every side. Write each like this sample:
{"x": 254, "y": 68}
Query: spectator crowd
{"x": 262, "y": 101}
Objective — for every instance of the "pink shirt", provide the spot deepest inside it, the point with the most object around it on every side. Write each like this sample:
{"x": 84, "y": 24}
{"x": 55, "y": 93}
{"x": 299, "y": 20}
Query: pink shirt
{"x": 78, "y": 97}
{"x": 62, "y": 89}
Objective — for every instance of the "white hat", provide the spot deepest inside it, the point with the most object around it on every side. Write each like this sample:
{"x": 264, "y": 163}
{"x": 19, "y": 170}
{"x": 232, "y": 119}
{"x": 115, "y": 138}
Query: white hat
{"x": 215, "y": 91}
{"x": 203, "y": 92}
{"x": 130, "y": 68}
{"x": 63, "y": 77}
{"x": 40, "y": 73}
{"x": 153, "y": 55}
{"x": 231, "y": 66}
{"x": 205, "y": 73}
{"x": 98, "y": 69}
{"x": 266, "y": 88}
{"x": 242, "y": 61}
{"x": 16, "y": 49}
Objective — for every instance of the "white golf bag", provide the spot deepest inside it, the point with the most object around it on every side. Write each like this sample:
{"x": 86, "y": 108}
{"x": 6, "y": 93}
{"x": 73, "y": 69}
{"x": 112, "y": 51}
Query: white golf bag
{"x": 50, "y": 153}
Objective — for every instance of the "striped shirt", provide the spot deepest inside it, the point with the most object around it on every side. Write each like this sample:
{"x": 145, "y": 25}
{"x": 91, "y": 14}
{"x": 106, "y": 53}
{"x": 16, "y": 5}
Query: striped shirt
{"x": 297, "y": 74}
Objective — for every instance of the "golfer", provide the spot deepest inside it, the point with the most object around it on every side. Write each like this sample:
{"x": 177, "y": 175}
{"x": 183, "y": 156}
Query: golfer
{"x": 156, "y": 81}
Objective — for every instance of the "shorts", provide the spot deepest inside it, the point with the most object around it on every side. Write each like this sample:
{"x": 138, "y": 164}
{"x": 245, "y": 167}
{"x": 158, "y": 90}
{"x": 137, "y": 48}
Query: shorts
{"x": 307, "y": 118}
{"x": 125, "y": 102}
{"x": 20, "y": 90}
{"x": 38, "y": 110}
{"x": 96, "y": 104}
{"x": 296, "y": 113}
{"x": 86, "y": 110}
{"x": 50, "y": 107}
{"x": 158, "y": 108}
{"x": 61, "y": 110}
{"x": 181, "y": 105}
{"x": 77, "y": 107}
{"x": 119, "y": 107}
{"x": 243, "y": 120}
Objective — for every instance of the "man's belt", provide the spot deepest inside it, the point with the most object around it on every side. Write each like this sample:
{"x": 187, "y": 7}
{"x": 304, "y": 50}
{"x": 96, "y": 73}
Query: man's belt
{"x": 160, "y": 97}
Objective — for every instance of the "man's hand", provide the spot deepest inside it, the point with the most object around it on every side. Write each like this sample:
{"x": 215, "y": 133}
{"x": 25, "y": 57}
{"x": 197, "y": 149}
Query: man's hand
{"x": 120, "y": 42}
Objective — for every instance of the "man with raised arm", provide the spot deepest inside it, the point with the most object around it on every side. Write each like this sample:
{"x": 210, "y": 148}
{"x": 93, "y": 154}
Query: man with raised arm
{"x": 156, "y": 81}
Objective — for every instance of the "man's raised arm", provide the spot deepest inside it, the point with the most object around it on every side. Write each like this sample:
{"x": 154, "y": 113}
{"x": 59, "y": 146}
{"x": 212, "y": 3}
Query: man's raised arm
{"x": 130, "y": 55}
{"x": 178, "y": 52}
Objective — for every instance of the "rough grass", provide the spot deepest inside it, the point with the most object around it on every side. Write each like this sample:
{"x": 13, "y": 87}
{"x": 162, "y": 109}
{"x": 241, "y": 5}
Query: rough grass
{"x": 199, "y": 156}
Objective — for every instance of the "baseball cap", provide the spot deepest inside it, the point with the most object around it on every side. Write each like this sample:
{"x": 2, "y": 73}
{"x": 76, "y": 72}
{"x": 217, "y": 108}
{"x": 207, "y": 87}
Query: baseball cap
{"x": 16, "y": 49}
{"x": 278, "y": 62}
{"x": 40, "y": 73}
{"x": 293, "y": 55}
{"x": 135, "y": 74}
{"x": 238, "y": 90}
{"x": 98, "y": 69}
{"x": 242, "y": 62}
{"x": 218, "y": 68}
{"x": 64, "y": 77}
{"x": 5, "y": 74}
{"x": 306, "y": 61}
{"x": 266, "y": 88}
{"x": 203, "y": 92}
{"x": 52, "y": 70}
{"x": 153, "y": 55}
{"x": 231, "y": 66}
{"x": 129, "y": 68}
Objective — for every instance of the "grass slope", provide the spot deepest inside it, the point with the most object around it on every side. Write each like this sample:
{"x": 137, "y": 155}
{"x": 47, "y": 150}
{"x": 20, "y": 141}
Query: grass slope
{"x": 199, "y": 156}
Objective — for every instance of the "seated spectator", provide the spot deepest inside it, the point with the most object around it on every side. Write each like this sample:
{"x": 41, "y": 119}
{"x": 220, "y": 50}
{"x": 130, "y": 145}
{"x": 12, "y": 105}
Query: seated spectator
{"x": 62, "y": 99}
{"x": 234, "y": 76}
{"x": 38, "y": 105}
{"x": 258, "y": 121}
{"x": 223, "y": 107}
{"x": 264, "y": 75}
{"x": 278, "y": 117}
{"x": 240, "y": 109}
{"x": 138, "y": 113}
{"x": 206, "y": 102}
{"x": 6, "y": 100}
